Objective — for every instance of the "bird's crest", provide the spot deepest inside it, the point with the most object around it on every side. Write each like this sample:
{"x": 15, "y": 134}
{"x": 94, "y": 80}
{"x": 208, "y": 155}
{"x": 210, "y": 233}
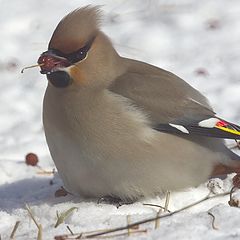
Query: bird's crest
{"x": 76, "y": 28}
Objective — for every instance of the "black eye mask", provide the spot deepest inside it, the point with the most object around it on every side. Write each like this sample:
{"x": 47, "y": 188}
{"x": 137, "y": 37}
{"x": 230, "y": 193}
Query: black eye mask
{"x": 73, "y": 57}
{"x": 53, "y": 60}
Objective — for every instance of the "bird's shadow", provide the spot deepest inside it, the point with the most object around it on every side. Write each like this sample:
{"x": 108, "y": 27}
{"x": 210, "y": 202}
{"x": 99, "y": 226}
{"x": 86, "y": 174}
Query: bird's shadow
{"x": 31, "y": 191}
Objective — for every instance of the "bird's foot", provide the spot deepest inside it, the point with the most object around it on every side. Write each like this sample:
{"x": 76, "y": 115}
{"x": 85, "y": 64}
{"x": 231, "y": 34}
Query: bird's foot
{"x": 114, "y": 201}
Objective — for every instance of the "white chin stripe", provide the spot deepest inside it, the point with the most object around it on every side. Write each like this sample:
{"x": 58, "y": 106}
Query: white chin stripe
{"x": 208, "y": 123}
{"x": 179, "y": 127}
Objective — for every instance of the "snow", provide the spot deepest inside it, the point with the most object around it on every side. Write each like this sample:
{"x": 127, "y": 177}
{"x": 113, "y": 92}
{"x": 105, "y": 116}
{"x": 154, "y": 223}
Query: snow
{"x": 197, "y": 40}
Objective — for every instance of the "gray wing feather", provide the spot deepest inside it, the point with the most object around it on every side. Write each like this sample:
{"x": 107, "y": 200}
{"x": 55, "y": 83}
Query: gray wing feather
{"x": 161, "y": 94}
{"x": 166, "y": 98}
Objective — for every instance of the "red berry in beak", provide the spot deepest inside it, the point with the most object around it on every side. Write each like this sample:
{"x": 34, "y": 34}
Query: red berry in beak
{"x": 50, "y": 62}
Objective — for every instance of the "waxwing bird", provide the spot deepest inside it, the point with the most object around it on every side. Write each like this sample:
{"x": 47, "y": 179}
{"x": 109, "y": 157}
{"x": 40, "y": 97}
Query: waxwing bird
{"x": 120, "y": 127}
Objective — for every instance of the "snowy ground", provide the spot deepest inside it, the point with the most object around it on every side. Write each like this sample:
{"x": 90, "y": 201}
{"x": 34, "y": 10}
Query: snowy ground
{"x": 197, "y": 40}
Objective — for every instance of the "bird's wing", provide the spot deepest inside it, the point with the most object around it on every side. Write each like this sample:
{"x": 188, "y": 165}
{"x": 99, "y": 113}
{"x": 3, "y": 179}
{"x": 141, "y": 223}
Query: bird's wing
{"x": 211, "y": 127}
{"x": 171, "y": 104}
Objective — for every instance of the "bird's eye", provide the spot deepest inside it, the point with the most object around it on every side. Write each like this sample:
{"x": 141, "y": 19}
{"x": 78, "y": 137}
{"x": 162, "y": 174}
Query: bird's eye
{"x": 81, "y": 53}
{"x": 77, "y": 56}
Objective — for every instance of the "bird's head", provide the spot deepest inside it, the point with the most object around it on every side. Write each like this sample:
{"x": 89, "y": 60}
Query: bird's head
{"x": 79, "y": 54}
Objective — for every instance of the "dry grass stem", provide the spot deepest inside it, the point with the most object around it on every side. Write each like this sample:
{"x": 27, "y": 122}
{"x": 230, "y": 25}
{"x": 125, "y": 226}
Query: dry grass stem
{"x": 154, "y": 218}
{"x": 99, "y": 233}
{"x": 14, "y": 229}
{"x": 31, "y": 215}
{"x": 33, "y": 66}
{"x": 157, "y": 221}
{"x": 167, "y": 201}
{"x": 39, "y": 236}
{"x": 70, "y": 230}
{"x": 128, "y": 223}
{"x": 45, "y": 172}
{"x": 213, "y": 221}
{"x": 79, "y": 236}
{"x": 39, "y": 226}
{"x": 165, "y": 208}
{"x": 68, "y": 237}
{"x": 62, "y": 217}
{"x": 123, "y": 234}
{"x": 155, "y": 205}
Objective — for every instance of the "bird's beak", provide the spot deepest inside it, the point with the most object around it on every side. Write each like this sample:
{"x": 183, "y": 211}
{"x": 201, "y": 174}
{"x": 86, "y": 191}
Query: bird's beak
{"x": 50, "y": 62}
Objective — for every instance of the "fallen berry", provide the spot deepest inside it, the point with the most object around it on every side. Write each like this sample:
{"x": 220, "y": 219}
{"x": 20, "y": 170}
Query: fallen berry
{"x": 31, "y": 159}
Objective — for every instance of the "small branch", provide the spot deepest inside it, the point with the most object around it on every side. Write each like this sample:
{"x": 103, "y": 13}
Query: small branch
{"x": 14, "y": 229}
{"x": 213, "y": 221}
{"x": 65, "y": 237}
{"x": 79, "y": 236}
{"x": 70, "y": 230}
{"x": 154, "y": 218}
{"x": 123, "y": 234}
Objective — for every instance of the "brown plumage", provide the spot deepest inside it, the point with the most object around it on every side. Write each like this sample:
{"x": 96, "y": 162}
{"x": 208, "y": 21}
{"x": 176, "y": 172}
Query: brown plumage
{"x": 75, "y": 29}
{"x": 120, "y": 127}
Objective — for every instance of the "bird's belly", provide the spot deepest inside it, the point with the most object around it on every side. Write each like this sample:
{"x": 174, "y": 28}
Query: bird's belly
{"x": 74, "y": 166}
{"x": 121, "y": 156}
{"x": 137, "y": 171}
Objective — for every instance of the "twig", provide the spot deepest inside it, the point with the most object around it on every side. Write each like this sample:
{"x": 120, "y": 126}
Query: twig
{"x": 70, "y": 230}
{"x": 65, "y": 237}
{"x": 213, "y": 221}
{"x": 39, "y": 226}
{"x": 128, "y": 223}
{"x": 167, "y": 201}
{"x": 154, "y": 218}
{"x": 39, "y": 236}
{"x": 155, "y": 205}
{"x": 231, "y": 192}
{"x": 79, "y": 236}
{"x": 157, "y": 221}
{"x": 14, "y": 229}
{"x": 45, "y": 172}
{"x": 123, "y": 234}
{"x": 31, "y": 215}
